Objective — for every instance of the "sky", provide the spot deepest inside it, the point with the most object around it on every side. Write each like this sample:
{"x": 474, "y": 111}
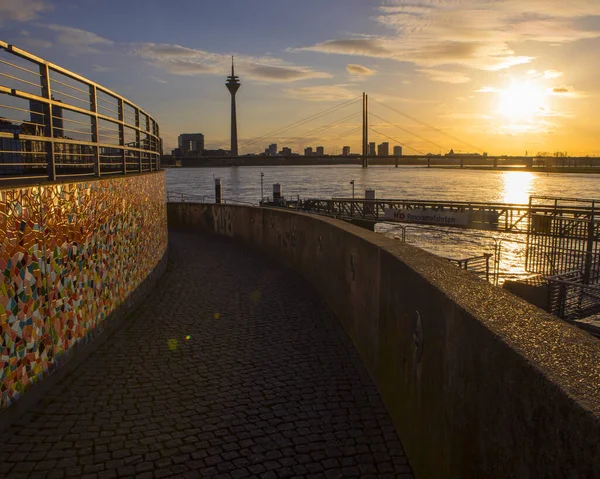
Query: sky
{"x": 497, "y": 76}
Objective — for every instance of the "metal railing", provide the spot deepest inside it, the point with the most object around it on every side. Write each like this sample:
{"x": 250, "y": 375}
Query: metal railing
{"x": 181, "y": 197}
{"x": 55, "y": 123}
{"x": 478, "y": 265}
{"x": 569, "y": 298}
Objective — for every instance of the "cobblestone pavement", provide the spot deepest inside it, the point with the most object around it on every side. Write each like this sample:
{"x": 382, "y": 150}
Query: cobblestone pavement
{"x": 267, "y": 384}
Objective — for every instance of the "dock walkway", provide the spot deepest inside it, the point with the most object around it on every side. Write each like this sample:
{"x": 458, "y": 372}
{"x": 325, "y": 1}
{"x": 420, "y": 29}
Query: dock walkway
{"x": 233, "y": 367}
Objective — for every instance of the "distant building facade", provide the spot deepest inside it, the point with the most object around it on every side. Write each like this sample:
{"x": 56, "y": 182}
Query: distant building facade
{"x": 190, "y": 144}
{"x": 383, "y": 149}
{"x": 371, "y": 151}
{"x": 272, "y": 149}
{"x": 320, "y": 151}
{"x": 346, "y": 151}
{"x": 308, "y": 151}
{"x": 286, "y": 151}
{"x": 397, "y": 150}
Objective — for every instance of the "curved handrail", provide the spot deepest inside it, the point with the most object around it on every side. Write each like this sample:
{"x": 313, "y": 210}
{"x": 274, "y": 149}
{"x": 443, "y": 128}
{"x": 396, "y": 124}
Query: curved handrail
{"x": 55, "y": 123}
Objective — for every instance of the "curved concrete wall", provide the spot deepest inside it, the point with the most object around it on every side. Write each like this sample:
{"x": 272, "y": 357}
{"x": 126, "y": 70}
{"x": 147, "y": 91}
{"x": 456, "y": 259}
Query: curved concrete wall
{"x": 479, "y": 383}
{"x": 71, "y": 255}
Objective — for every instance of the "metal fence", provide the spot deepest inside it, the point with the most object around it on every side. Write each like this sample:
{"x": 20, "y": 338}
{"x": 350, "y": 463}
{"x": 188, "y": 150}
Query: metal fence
{"x": 564, "y": 239}
{"x": 569, "y": 298}
{"x": 478, "y": 265}
{"x": 55, "y": 123}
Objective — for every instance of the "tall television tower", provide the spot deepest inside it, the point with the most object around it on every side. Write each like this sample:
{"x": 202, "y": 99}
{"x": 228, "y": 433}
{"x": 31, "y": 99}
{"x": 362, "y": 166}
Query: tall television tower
{"x": 233, "y": 83}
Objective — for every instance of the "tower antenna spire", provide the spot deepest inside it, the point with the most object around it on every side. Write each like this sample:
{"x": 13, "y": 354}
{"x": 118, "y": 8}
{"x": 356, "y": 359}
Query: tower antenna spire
{"x": 232, "y": 72}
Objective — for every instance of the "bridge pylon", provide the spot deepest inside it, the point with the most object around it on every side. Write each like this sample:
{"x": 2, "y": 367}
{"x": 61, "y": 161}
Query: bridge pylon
{"x": 365, "y": 127}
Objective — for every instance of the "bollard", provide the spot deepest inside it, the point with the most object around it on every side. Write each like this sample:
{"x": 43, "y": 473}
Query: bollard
{"x": 277, "y": 196}
{"x": 428, "y": 162}
{"x": 369, "y": 208}
{"x": 218, "y": 191}
{"x": 396, "y": 162}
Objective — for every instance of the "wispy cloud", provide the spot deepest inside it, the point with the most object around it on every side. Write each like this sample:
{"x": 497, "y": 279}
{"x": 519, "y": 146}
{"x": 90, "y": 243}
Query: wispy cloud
{"x": 22, "y": 10}
{"x": 475, "y": 33}
{"x": 100, "y": 68}
{"x": 445, "y": 76}
{"x": 159, "y": 80}
{"x": 323, "y": 93}
{"x": 355, "y": 69}
{"x": 34, "y": 42}
{"x": 77, "y": 40}
{"x": 180, "y": 60}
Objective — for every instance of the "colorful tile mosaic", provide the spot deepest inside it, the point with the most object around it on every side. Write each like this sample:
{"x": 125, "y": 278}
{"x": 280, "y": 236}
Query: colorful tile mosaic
{"x": 70, "y": 254}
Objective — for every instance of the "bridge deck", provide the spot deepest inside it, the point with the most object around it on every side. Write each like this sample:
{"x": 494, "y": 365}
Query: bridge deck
{"x": 271, "y": 387}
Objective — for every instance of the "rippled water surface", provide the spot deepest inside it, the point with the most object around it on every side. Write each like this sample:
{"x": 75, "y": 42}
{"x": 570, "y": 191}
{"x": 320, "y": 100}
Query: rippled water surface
{"x": 244, "y": 184}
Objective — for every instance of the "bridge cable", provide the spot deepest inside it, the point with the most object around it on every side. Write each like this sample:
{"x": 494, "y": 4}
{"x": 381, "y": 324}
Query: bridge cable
{"x": 341, "y": 136}
{"x": 300, "y": 122}
{"x": 427, "y": 125}
{"x": 408, "y": 131}
{"x": 323, "y": 127}
{"x": 397, "y": 141}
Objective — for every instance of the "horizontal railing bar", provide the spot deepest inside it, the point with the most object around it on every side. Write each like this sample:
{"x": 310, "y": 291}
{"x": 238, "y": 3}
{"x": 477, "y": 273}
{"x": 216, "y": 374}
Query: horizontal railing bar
{"x": 67, "y": 85}
{"x": 22, "y": 109}
{"x": 14, "y": 120}
{"x": 23, "y": 164}
{"x": 100, "y": 98}
{"x": 20, "y": 152}
{"x": 73, "y": 131}
{"x": 89, "y": 143}
{"x": 20, "y": 68}
{"x": 74, "y": 164}
{"x": 70, "y": 96}
{"x": 28, "y": 177}
{"x": 4, "y": 89}
{"x": 74, "y": 121}
{"x": 20, "y": 79}
{"x": 64, "y": 153}
{"x": 66, "y": 175}
{"x": 116, "y": 112}
{"x": 4, "y": 134}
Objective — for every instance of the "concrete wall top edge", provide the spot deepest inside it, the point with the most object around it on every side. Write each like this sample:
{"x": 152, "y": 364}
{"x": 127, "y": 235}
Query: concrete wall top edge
{"x": 25, "y": 182}
{"x": 567, "y": 355}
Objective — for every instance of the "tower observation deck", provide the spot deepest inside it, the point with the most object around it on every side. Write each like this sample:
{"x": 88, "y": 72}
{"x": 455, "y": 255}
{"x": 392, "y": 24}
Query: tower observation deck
{"x": 233, "y": 84}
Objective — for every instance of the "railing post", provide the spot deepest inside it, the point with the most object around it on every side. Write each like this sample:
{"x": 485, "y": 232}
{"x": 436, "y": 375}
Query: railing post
{"x": 94, "y": 119}
{"x": 47, "y": 107}
{"x": 138, "y": 138}
{"x": 122, "y": 134}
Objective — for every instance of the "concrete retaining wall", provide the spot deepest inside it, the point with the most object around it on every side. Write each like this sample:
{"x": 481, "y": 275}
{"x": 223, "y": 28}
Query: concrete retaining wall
{"x": 72, "y": 255}
{"x": 478, "y": 382}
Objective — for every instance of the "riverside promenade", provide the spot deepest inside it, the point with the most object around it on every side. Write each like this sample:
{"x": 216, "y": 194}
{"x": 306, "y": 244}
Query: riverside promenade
{"x": 234, "y": 367}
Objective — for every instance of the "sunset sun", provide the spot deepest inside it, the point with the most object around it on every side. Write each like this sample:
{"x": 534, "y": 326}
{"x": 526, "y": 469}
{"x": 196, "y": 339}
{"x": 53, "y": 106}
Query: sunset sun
{"x": 521, "y": 101}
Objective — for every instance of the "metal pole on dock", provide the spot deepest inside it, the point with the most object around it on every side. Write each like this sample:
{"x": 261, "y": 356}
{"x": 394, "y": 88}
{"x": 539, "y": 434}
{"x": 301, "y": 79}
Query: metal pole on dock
{"x": 262, "y": 195}
{"x": 218, "y": 191}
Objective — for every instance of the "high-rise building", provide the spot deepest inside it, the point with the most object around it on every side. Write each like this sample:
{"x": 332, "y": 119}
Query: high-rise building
{"x": 383, "y": 149}
{"x": 308, "y": 151}
{"x": 37, "y": 116}
{"x": 345, "y": 151}
{"x": 397, "y": 150}
{"x": 191, "y": 143}
{"x": 320, "y": 151}
{"x": 233, "y": 84}
{"x": 272, "y": 150}
{"x": 286, "y": 151}
{"x": 372, "y": 151}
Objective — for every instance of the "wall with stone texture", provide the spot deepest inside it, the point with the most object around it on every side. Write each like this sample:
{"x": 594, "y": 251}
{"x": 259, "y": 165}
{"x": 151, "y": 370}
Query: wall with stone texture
{"x": 478, "y": 382}
{"x": 70, "y": 255}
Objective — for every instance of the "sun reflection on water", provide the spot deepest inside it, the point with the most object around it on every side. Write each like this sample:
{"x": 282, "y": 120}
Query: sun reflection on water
{"x": 517, "y": 186}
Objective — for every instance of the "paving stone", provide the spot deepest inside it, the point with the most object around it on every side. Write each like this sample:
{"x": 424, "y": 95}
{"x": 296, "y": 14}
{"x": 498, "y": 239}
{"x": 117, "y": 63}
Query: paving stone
{"x": 210, "y": 378}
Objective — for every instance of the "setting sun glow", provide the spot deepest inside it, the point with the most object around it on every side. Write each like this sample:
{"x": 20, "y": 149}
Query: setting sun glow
{"x": 522, "y": 101}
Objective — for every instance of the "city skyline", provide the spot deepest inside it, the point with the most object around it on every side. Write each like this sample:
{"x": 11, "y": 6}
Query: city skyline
{"x": 508, "y": 77}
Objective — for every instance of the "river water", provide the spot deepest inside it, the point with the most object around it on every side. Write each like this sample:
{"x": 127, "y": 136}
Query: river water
{"x": 244, "y": 184}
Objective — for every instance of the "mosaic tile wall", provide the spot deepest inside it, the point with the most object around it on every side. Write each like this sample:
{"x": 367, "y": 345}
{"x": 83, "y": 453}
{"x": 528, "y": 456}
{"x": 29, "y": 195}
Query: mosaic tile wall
{"x": 69, "y": 255}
